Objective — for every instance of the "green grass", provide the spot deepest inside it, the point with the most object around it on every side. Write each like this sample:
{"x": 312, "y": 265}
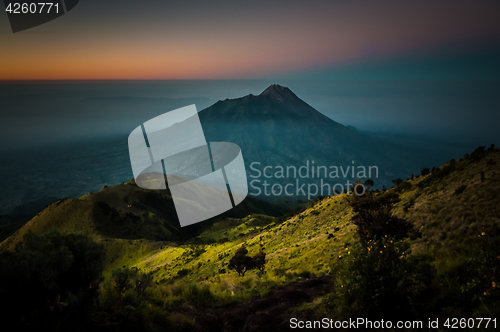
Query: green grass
{"x": 191, "y": 268}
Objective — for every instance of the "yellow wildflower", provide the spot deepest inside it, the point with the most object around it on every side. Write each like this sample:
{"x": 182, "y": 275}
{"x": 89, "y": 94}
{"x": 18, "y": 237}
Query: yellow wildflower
{"x": 350, "y": 253}
{"x": 483, "y": 233}
{"x": 380, "y": 251}
{"x": 493, "y": 284}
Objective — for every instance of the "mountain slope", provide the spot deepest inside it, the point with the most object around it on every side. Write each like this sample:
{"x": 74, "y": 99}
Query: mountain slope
{"x": 455, "y": 260}
{"x": 315, "y": 242}
{"x": 456, "y": 203}
{"x": 309, "y": 239}
{"x": 126, "y": 212}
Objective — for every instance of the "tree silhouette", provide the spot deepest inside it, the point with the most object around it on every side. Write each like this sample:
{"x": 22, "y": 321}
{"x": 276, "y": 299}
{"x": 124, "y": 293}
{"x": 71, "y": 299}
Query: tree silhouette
{"x": 242, "y": 263}
{"x": 259, "y": 261}
{"x": 397, "y": 181}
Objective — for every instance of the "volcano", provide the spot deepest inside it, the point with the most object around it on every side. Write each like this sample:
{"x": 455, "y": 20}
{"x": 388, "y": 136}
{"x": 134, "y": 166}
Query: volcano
{"x": 277, "y": 128}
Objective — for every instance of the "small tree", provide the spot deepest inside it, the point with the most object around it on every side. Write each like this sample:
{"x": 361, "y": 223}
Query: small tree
{"x": 397, "y": 182}
{"x": 240, "y": 262}
{"x": 358, "y": 188}
{"x": 260, "y": 261}
{"x": 425, "y": 171}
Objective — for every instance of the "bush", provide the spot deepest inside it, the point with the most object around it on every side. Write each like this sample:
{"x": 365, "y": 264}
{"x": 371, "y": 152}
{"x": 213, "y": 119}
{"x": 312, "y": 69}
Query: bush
{"x": 397, "y": 182}
{"x": 198, "y": 296}
{"x": 369, "y": 183}
{"x": 260, "y": 261}
{"x": 380, "y": 281}
{"x": 374, "y": 219}
{"x": 376, "y": 278}
{"x": 50, "y": 279}
{"x": 460, "y": 189}
{"x": 402, "y": 186}
{"x": 480, "y": 275}
{"x": 478, "y": 154}
{"x": 183, "y": 273}
{"x": 127, "y": 301}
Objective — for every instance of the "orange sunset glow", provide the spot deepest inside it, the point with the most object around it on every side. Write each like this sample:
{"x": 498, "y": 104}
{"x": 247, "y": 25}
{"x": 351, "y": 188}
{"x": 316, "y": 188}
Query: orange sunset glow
{"x": 197, "y": 41}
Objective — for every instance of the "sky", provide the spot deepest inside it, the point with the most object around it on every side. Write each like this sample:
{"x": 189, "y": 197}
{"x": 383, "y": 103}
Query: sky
{"x": 158, "y": 39}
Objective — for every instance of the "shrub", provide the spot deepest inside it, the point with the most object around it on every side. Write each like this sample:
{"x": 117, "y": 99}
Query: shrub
{"x": 478, "y": 154}
{"x": 397, "y": 181}
{"x": 50, "y": 279}
{"x": 373, "y": 218}
{"x": 279, "y": 272}
{"x": 198, "y": 295}
{"x": 460, "y": 189}
{"x": 183, "y": 273}
{"x": 260, "y": 261}
{"x": 407, "y": 205}
{"x": 128, "y": 302}
{"x": 378, "y": 280}
{"x": 369, "y": 183}
{"x": 402, "y": 186}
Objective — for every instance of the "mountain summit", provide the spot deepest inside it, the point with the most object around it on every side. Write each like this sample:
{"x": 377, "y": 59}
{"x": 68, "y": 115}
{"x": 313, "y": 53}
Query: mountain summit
{"x": 274, "y": 103}
{"x": 279, "y": 92}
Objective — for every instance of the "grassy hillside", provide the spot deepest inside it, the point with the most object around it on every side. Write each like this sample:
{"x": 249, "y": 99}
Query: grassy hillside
{"x": 447, "y": 267}
{"x": 444, "y": 215}
{"x": 454, "y": 204}
{"x": 129, "y": 220}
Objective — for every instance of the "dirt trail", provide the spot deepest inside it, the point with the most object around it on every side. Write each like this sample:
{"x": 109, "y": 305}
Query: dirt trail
{"x": 268, "y": 313}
